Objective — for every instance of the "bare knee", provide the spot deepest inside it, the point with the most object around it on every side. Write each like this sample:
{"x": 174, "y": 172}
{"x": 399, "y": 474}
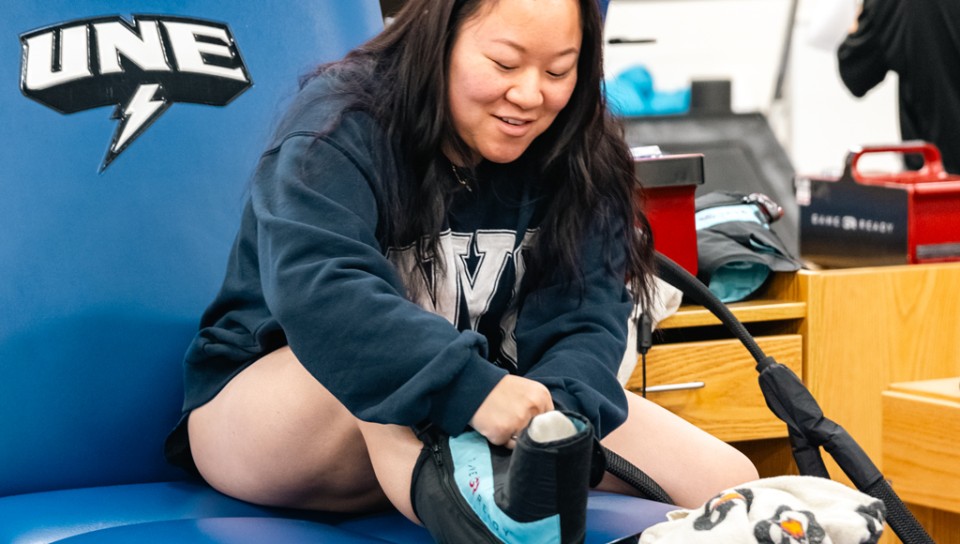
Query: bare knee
{"x": 740, "y": 468}
{"x": 731, "y": 468}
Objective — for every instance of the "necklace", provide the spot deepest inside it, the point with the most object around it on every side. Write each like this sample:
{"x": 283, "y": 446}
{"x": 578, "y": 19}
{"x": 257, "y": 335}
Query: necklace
{"x": 463, "y": 183}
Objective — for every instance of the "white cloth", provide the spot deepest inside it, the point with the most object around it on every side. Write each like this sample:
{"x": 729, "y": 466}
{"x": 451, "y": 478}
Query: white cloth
{"x": 781, "y": 510}
{"x": 665, "y": 302}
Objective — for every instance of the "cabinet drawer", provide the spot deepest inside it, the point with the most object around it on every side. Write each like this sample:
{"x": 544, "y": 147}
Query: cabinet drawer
{"x": 921, "y": 422}
{"x": 729, "y": 405}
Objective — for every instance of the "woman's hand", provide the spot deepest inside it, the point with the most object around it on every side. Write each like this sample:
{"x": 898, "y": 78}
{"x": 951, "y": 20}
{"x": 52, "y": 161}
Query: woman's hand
{"x": 508, "y": 409}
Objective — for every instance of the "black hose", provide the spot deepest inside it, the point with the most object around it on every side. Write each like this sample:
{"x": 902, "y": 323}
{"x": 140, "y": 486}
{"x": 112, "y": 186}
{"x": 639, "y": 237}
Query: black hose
{"x": 675, "y": 275}
{"x": 636, "y": 478}
{"x": 900, "y": 519}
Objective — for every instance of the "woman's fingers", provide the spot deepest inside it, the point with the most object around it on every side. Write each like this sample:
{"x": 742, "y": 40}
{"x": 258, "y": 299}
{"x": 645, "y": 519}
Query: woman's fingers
{"x": 508, "y": 409}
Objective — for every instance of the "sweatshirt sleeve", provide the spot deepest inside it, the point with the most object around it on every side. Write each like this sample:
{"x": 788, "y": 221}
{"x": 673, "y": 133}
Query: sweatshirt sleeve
{"x": 340, "y": 301}
{"x": 865, "y": 56}
{"x": 573, "y": 344}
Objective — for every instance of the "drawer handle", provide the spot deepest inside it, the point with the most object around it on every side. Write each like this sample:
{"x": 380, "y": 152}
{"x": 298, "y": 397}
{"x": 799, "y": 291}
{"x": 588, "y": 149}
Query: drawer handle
{"x": 675, "y": 387}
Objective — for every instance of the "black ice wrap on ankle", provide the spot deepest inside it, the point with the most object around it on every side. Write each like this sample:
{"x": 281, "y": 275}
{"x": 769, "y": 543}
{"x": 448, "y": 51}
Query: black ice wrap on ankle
{"x": 422, "y": 460}
{"x": 437, "y": 503}
{"x": 551, "y": 478}
{"x": 465, "y": 490}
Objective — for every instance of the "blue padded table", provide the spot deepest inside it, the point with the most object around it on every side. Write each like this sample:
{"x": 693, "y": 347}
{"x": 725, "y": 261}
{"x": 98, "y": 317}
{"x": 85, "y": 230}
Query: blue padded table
{"x": 223, "y": 530}
{"x": 192, "y": 512}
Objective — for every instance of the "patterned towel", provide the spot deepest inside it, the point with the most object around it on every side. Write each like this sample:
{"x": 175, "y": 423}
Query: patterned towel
{"x": 781, "y": 510}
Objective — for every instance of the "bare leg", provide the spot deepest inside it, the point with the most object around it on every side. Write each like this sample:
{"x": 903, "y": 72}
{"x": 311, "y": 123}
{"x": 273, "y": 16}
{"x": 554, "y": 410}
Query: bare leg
{"x": 691, "y": 465}
{"x": 275, "y": 436}
{"x": 393, "y": 450}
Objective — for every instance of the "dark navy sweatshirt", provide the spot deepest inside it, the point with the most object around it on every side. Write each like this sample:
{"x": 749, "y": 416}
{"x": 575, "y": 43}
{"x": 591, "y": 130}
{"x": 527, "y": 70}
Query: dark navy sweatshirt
{"x": 307, "y": 270}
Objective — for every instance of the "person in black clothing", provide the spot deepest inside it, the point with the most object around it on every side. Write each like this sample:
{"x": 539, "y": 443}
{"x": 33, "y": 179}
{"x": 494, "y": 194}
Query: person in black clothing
{"x": 439, "y": 232}
{"x": 920, "y": 41}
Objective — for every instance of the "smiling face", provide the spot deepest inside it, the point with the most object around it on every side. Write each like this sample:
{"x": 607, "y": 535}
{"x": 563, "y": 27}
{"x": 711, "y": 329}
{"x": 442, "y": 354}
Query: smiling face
{"x": 513, "y": 68}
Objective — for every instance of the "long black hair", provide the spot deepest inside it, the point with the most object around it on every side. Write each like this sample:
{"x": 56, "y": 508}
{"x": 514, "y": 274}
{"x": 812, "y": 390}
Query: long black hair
{"x": 400, "y": 77}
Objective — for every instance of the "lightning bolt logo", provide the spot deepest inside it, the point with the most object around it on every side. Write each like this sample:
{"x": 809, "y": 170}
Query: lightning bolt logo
{"x": 138, "y": 67}
{"x": 146, "y": 105}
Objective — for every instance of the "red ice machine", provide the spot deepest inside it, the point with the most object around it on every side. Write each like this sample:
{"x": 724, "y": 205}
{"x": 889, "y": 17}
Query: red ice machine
{"x": 868, "y": 219}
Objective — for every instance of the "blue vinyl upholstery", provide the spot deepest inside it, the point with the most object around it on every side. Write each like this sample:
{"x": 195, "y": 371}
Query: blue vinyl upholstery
{"x": 191, "y": 512}
{"x": 216, "y": 530}
{"x": 104, "y": 274}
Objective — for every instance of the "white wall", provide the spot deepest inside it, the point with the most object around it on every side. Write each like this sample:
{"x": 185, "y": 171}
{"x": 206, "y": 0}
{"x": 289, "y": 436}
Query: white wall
{"x": 825, "y": 118}
{"x": 742, "y": 40}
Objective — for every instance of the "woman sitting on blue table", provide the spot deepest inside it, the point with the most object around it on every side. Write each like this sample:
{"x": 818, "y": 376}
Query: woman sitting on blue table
{"x": 438, "y": 234}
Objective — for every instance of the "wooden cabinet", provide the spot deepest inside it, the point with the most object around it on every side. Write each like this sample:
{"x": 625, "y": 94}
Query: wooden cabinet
{"x": 921, "y": 452}
{"x": 867, "y": 328}
{"x": 698, "y": 371}
{"x": 921, "y": 442}
{"x": 871, "y": 327}
{"x": 859, "y": 330}
{"x": 713, "y": 385}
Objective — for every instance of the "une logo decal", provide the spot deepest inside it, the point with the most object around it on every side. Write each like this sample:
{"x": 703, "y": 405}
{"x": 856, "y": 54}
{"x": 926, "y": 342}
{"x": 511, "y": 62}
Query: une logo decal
{"x": 141, "y": 68}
